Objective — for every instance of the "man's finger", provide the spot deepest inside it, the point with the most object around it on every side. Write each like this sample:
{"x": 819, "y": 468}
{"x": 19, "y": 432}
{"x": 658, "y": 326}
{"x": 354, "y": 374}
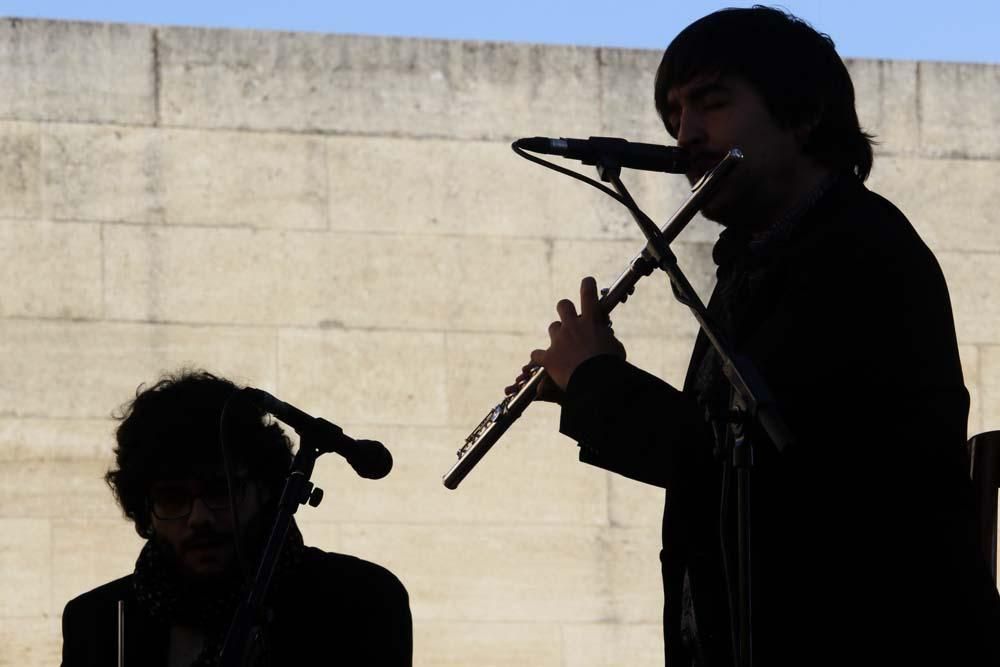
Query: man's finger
{"x": 588, "y": 298}
{"x": 553, "y": 330}
{"x": 566, "y": 310}
{"x": 537, "y": 357}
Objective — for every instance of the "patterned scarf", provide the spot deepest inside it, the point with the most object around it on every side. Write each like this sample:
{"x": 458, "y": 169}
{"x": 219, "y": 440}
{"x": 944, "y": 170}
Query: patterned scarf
{"x": 207, "y": 605}
{"x": 746, "y": 272}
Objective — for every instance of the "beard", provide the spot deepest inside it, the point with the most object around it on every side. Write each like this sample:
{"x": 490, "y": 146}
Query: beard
{"x": 738, "y": 204}
{"x": 170, "y": 591}
{"x": 226, "y": 562}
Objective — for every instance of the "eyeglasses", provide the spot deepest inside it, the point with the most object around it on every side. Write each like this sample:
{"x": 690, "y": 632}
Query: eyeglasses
{"x": 175, "y": 500}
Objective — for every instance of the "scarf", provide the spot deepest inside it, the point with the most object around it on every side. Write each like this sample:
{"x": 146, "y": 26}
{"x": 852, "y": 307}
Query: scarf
{"x": 747, "y": 270}
{"x": 749, "y": 273}
{"x": 208, "y": 605}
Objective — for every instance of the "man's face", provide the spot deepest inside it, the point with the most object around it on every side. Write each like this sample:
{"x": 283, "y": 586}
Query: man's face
{"x": 708, "y": 116}
{"x": 193, "y": 515}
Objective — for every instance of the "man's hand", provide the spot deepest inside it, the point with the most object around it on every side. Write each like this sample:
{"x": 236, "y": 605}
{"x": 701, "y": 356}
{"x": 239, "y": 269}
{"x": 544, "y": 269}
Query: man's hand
{"x": 545, "y": 391}
{"x": 575, "y": 338}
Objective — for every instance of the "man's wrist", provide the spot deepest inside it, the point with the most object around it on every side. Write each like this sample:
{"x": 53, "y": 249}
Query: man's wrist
{"x": 590, "y": 367}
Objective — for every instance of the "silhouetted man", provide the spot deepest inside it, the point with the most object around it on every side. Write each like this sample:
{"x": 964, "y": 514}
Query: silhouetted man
{"x": 324, "y": 608}
{"x": 864, "y": 548}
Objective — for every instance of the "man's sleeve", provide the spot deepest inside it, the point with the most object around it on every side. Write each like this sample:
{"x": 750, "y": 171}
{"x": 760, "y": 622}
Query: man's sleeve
{"x": 395, "y": 609}
{"x": 630, "y": 422}
{"x": 383, "y": 625}
{"x": 72, "y": 649}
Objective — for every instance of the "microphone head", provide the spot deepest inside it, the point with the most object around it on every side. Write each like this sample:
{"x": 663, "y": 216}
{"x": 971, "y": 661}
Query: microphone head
{"x": 608, "y": 150}
{"x": 537, "y": 145}
{"x": 371, "y": 459}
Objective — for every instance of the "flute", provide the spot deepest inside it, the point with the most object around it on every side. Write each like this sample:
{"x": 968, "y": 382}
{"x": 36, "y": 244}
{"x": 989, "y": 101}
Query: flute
{"x": 506, "y": 412}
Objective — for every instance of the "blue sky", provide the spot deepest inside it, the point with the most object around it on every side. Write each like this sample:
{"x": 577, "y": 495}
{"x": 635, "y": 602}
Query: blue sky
{"x": 963, "y": 30}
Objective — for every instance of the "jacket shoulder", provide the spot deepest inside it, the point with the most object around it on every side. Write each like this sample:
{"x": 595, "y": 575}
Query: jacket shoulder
{"x": 860, "y": 239}
{"x": 106, "y": 594}
{"x": 361, "y": 604}
{"x": 89, "y": 623}
{"x": 350, "y": 573}
{"x": 870, "y": 222}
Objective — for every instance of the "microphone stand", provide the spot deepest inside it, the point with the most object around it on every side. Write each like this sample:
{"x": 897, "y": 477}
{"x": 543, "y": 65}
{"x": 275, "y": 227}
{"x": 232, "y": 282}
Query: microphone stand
{"x": 752, "y": 401}
{"x": 246, "y": 630}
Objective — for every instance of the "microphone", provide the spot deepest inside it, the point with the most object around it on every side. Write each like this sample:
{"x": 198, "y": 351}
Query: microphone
{"x": 370, "y": 459}
{"x": 629, "y": 154}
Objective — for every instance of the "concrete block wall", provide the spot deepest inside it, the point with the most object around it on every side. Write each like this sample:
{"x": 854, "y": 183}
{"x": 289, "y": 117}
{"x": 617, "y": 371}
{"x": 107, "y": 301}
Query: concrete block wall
{"x": 339, "y": 219}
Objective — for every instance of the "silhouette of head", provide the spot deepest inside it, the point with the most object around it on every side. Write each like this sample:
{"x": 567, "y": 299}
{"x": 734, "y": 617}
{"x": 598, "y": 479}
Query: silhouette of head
{"x": 795, "y": 69}
{"x": 170, "y": 479}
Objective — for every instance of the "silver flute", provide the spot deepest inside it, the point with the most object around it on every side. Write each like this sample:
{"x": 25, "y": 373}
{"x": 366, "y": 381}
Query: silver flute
{"x": 507, "y": 411}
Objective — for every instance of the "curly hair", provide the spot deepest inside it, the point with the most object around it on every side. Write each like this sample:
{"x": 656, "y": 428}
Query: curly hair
{"x": 796, "y": 70}
{"x": 172, "y": 427}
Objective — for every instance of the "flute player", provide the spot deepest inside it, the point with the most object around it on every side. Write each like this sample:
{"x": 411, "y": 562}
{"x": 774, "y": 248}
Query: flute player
{"x": 863, "y": 543}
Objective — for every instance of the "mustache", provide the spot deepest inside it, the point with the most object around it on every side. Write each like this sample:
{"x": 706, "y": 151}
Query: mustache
{"x": 703, "y": 161}
{"x": 207, "y": 539}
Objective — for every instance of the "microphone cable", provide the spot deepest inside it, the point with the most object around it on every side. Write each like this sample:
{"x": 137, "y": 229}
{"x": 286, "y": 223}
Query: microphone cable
{"x": 227, "y": 467}
{"x": 516, "y": 147}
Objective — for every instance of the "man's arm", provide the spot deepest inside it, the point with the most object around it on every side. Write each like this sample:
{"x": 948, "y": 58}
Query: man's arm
{"x": 632, "y": 423}
{"x": 625, "y": 419}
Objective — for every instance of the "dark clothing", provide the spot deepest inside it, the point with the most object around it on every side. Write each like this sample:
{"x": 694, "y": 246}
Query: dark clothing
{"x": 334, "y": 609}
{"x": 864, "y": 546}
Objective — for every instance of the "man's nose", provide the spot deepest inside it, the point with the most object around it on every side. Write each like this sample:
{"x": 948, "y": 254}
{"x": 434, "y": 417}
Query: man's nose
{"x": 201, "y": 514}
{"x": 690, "y": 129}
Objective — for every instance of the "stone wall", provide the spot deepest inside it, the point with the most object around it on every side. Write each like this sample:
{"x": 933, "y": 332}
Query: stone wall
{"x": 339, "y": 219}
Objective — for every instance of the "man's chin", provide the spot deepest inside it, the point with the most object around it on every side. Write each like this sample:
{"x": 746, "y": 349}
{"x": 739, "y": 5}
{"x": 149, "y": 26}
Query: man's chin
{"x": 207, "y": 562}
{"x": 716, "y": 214}
{"x": 725, "y": 208}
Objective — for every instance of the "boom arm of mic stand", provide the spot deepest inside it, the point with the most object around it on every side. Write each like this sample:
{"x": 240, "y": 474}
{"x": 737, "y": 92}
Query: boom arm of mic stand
{"x": 747, "y": 382}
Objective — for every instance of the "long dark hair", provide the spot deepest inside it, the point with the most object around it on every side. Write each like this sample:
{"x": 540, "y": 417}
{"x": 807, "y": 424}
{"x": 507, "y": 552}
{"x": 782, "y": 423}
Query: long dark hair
{"x": 796, "y": 70}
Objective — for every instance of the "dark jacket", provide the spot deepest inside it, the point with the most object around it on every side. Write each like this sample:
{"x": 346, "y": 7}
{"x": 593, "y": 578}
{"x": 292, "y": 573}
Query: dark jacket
{"x": 338, "y": 610}
{"x": 862, "y": 532}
